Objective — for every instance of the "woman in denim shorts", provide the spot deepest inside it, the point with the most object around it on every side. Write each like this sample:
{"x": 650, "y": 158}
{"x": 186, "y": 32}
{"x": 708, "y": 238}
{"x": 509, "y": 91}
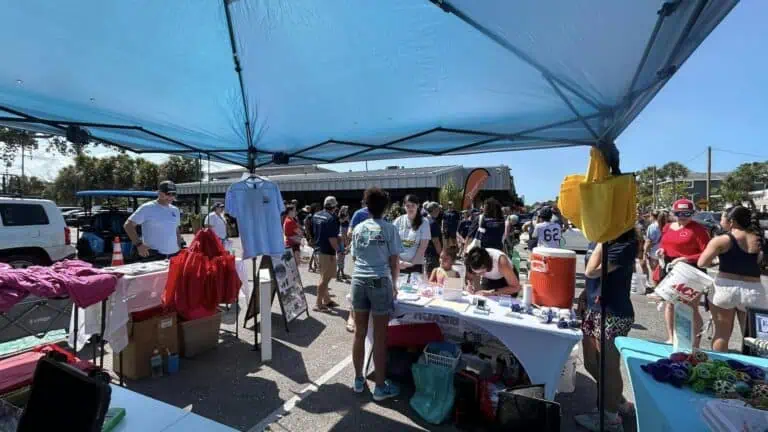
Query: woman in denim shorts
{"x": 376, "y": 250}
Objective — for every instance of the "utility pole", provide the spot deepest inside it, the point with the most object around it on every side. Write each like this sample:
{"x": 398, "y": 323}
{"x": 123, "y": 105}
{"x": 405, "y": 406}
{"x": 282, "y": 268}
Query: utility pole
{"x": 21, "y": 181}
{"x": 655, "y": 202}
{"x": 709, "y": 174}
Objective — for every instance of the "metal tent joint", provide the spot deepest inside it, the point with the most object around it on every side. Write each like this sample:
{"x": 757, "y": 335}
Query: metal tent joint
{"x": 668, "y": 8}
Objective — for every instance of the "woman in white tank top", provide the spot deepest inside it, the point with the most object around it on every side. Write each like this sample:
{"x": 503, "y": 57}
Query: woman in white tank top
{"x": 496, "y": 272}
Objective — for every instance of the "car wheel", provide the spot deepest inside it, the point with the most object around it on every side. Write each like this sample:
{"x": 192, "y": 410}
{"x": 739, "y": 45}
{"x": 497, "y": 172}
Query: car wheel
{"x": 22, "y": 261}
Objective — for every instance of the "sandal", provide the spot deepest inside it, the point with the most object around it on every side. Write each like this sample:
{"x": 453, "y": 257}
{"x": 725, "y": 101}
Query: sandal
{"x": 350, "y": 327}
{"x": 323, "y": 309}
{"x": 331, "y": 304}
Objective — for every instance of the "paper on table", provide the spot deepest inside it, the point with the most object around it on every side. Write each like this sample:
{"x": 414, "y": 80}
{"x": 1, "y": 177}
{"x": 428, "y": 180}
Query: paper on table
{"x": 418, "y": 301}
{"x": 454, "y": 306}
{"x": 453, "y": 284}
{"x": 684, "y": 330}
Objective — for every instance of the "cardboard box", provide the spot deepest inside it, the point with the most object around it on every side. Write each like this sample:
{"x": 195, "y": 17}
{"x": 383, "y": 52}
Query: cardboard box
{"x": 160, "y": 332}
{"x": 199, "y": 335}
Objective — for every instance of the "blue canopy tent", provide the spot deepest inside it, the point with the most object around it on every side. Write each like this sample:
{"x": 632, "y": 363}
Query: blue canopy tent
{"x": 342, "y": 80}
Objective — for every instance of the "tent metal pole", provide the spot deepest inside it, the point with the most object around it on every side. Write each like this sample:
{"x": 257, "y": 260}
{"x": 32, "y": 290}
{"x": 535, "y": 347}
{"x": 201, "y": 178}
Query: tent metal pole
{"x": 666, "y": 10}
{"x": 449, "y": 8}
{"x": 601, "y": 380}
{"x": 572, "y": 108}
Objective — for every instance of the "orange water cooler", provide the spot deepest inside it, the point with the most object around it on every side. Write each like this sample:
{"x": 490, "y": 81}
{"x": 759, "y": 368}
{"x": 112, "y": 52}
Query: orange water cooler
{"x": 553, "y": 277}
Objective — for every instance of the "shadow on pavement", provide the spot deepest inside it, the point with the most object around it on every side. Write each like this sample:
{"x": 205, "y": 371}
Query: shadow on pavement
{"x": 360, "y": 412}
{"x": 218, "y": 385}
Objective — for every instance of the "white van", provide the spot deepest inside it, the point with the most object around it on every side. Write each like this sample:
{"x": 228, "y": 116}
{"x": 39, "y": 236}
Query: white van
{"x": 33, "y": 232}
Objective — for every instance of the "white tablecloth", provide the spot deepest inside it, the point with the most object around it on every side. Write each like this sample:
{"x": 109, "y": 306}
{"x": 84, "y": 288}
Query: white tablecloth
{"x": 541, "y": 348}
{"x": 132, "y": 294}
{"x": 144, "y": 414}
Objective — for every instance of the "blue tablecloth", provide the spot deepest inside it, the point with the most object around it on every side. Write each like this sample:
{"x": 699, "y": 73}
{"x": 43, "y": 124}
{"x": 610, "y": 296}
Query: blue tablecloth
{"x": 660, "y": 406}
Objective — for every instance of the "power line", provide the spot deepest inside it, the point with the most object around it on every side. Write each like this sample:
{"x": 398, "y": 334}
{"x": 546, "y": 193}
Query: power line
{"x": 695, "y": 157}
{"x": 739, "y": 153}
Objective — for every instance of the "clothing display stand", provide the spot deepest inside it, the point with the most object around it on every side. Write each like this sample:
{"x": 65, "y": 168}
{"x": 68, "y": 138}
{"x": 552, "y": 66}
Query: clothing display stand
{"x": 100, "y": 339}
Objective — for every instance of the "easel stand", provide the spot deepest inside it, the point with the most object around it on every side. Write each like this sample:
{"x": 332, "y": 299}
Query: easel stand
{"x": 261, "y": 300}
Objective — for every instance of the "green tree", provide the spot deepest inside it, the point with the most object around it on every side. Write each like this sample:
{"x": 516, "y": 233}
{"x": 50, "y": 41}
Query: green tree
{"x": 147, "y": 174}
{"x": 668, "y": 193}
{"x": 12, "y": 141}
{"x": 674, "y": 171}
{"x": 180, "y": 170}
{"x": 736, "y": 186}
{"x": 644, "y": 180}
{"x": 451, "y": 192}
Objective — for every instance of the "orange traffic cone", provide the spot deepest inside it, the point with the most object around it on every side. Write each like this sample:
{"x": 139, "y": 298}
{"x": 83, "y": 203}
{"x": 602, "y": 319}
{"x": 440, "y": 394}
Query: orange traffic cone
{"x": 117, "y": 253}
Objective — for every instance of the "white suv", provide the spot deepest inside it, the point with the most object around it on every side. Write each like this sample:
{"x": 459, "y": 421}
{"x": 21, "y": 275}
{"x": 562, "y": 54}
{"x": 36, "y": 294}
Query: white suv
{"x": 33, "y": 232}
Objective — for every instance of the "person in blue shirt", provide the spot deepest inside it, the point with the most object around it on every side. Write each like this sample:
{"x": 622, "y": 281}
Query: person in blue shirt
{"x": 325, "y": 230}
{"x": 376, "y": 249}
{"x": 359, "y": 216}
{"x": 450, "y": 225}
{"x": 463, "y": 230}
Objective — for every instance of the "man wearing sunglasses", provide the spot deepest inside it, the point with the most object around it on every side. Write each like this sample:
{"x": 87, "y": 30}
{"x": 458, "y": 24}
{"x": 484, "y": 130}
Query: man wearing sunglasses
{"x": 159, "y": 221}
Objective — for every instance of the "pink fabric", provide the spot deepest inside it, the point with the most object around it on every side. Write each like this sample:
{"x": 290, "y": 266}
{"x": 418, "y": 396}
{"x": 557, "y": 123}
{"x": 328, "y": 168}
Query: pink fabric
{"x": 78, "y": 280}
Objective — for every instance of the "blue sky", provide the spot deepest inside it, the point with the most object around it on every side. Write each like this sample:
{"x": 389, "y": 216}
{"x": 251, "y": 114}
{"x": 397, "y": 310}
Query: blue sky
{"x": 718, "y": 98}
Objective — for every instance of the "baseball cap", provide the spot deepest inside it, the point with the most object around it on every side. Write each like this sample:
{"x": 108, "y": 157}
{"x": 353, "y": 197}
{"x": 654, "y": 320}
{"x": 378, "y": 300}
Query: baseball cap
{"x": 330, "y": 202}
{"x": 450, "y": 203}
{"x": 683, "y": 207}
{"x": 218, "y": 205}
{"x": 167, "y": 187}
{"x": 546, "y": 213}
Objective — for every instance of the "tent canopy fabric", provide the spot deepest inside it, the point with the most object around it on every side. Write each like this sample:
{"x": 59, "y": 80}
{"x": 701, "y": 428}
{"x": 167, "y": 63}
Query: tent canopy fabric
{"x": 342, "y": 80}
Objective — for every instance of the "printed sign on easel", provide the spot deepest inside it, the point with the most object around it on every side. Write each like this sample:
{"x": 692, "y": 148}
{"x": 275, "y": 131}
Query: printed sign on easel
{"x": 286, "y": 283}
{"x": 290, "y": 290}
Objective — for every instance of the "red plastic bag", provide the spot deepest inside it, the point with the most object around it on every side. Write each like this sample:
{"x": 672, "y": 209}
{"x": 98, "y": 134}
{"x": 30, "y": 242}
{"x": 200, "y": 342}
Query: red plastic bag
{"x": 201, "y": 277}
{"x": 413, "y": 335}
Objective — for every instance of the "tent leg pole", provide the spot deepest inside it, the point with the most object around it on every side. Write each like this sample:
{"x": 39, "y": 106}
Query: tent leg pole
{"x": 601, "y": 380}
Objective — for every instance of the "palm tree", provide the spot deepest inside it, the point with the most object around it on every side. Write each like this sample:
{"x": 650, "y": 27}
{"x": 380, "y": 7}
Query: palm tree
{"x": 674, "y": 171}
{"x": 736, "y": 187}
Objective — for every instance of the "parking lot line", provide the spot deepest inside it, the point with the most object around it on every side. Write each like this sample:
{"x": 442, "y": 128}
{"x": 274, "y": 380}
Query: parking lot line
{"x": 306, "y": 392}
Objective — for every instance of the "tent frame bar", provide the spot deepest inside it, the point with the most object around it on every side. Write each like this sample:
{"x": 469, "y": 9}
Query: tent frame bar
{"x": 666, "y": 10}
{"x": 571, "y": 106}
{"x": 447, "y": 7}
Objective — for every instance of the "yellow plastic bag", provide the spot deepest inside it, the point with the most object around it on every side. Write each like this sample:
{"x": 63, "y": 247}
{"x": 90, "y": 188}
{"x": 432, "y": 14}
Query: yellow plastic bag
{"x": 569, "y": 199}
{"x": 601, "y": 205}
{"x": 597, "y": 170}
{"x": 608, "y": 207}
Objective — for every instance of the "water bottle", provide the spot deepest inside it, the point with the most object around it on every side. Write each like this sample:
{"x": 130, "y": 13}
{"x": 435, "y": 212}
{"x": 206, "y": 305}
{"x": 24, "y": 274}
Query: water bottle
{"x": 156, "y": 363}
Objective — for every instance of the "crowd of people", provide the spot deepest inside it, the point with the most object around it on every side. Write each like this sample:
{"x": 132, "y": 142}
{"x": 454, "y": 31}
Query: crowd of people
{"x": 427, "y": 240}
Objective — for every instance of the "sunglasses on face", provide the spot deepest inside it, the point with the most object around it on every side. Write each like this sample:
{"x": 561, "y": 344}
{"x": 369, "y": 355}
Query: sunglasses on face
{"x": 683, "y": 214}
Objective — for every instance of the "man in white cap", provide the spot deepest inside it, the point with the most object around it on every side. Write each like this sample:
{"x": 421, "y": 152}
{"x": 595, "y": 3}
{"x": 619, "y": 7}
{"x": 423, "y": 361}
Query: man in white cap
{"x": 159, "y": 220}
{"x": 325, "y": 230}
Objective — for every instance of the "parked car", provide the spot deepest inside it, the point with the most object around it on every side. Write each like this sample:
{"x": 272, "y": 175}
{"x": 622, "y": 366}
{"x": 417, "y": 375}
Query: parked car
{"x": 33, "y": 232}
{"x": 573, "y": 239}
{"x": 711, "y": 221}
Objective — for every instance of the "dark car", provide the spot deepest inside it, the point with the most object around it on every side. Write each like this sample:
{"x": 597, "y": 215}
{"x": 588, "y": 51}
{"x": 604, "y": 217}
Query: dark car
{"x": 711, "y": 221}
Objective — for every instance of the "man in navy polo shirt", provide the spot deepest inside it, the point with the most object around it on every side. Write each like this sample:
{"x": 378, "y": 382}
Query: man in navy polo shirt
{"x": 325, "y": 228}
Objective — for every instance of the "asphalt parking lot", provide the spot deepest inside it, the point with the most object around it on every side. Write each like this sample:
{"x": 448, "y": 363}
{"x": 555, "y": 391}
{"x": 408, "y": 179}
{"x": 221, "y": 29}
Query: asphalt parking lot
{"x": 307, "y": 384}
